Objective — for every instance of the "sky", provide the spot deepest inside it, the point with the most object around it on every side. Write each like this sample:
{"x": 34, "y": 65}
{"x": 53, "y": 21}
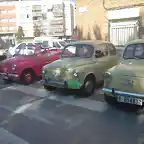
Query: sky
{"x": 74, "y": 1}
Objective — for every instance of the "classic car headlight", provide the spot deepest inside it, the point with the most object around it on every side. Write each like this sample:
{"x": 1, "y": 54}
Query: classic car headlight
{"x": 107, "y": 76}
{"x": 14, "y": 67}
{"x": 73, "y": 71}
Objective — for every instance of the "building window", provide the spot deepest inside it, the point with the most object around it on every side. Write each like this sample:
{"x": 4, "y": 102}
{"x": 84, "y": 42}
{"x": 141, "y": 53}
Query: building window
{"x": 35, "y": 18}
{"x": 11, "y": 11}
{"x": 12, "y": 28}
{"x": 4, "y": 20}
{"x": 12, "y": 20}
{"x": 4, "y": 11}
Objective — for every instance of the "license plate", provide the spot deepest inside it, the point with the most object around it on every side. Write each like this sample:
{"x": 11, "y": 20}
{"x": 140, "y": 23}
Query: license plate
{"x": 129, "y": 100}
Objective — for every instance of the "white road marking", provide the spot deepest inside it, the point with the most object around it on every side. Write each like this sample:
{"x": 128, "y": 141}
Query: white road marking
{"x": 39, "y": 92}
{"x": 84, "y": 103}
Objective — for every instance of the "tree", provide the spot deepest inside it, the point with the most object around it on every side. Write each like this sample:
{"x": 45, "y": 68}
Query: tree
{"x": 37, "y": 32}
{"x": 20, "y": 34}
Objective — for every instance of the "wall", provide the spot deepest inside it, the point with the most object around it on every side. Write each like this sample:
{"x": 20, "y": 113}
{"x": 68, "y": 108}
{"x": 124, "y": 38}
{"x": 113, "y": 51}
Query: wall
{"x": 93, "y": 21}
{"x": 95, "y": 14}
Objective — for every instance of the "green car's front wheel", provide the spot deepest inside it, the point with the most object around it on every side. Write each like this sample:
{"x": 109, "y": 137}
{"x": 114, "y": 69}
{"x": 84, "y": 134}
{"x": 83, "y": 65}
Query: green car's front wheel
{"x": 49, "y": 88}
{"x": 89, "y": 86}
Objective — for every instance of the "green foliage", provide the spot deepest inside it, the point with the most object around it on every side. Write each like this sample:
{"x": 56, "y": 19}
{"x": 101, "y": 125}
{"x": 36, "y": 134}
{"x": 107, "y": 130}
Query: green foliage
{"x": 20, "y": 34}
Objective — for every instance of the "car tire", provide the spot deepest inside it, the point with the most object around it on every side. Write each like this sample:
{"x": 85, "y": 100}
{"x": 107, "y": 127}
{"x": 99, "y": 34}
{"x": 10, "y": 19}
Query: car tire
{"x": 89, "y": 86}
{"x": 49, "y": 88}
{"x": 110, "y": 100}
{"x": 27, "y": 77}
{"x": 7, "y": 81}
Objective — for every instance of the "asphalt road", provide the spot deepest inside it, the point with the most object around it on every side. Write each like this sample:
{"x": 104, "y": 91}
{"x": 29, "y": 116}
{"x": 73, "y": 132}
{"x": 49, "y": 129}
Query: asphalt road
{"x": 31, "y": 115}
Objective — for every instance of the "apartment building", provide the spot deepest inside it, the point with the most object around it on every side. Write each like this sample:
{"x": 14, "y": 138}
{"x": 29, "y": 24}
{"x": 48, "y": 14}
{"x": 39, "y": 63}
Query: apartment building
{"x": 19, "y": 13}
{"x": 28, "y": 15}
{"x": 58, "y": 17}
{"x": 117, "y": 21}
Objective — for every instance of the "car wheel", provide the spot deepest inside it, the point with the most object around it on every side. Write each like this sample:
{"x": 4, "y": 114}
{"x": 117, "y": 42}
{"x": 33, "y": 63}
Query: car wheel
{"x": 27, "y": 77}
{"x": 7, "y": 81}
{"x": 89, "y": 86}
{"x": 110, "y": 100}
{"x": 49, "y": 88}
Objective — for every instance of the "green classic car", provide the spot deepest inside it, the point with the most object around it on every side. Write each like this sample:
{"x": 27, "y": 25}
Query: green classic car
{"x": 124, "y": 82}
{"x": 82, "y": 66}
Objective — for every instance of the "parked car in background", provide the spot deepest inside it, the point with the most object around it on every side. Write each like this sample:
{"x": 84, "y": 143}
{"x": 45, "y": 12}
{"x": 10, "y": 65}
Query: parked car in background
{"x": 70, "y": 40}
{"x": 26, "y": 67}
{"x": 24, "y": 48}
{"x": 54, "y": 43}
{"x": 124, "y": 83}
{"x": 81, "y": 66}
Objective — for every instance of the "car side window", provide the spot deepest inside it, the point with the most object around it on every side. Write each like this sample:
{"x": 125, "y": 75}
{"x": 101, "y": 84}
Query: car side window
{"x": 55, "y": 44}
{"x": 112, "y": 49}
{"x": 21, "y": 46}
{"x": 101, "y": 51}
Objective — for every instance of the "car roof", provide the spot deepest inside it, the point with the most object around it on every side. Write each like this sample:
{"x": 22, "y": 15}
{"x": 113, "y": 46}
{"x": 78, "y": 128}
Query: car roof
{"x": 136, "y": 41}
{"x": 92, "y": 42}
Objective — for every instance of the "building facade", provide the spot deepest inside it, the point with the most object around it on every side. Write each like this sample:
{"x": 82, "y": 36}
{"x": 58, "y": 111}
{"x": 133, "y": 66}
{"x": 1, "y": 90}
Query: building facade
{"x": 19, "y": 13}
{"x": 58, "y": 18}
{"x": 117, "y": 21}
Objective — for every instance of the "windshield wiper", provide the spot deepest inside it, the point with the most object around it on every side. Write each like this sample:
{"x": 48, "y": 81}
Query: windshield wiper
{"x": 136, "y": 58}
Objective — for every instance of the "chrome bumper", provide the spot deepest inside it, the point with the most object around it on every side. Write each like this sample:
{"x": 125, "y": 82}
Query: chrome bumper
{"x": 9, "y": 74}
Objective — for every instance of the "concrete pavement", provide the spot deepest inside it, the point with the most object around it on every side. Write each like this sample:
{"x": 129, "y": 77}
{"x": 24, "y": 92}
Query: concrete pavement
{"x": 31, "y": 114}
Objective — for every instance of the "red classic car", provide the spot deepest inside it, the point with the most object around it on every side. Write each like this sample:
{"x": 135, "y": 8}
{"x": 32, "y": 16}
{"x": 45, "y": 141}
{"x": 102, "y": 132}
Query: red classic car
{"x": 26, "y": 68}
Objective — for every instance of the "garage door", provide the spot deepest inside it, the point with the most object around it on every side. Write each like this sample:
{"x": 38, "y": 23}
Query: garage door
{"x": 123, "y": 32}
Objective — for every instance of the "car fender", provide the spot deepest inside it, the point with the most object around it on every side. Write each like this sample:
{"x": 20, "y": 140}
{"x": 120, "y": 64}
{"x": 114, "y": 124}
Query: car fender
{"x": 83, "y": 72}
{"x": 28, "y": 66}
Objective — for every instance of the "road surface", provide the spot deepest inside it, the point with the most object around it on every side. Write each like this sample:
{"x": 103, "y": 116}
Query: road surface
{"x": 31, "y": 115}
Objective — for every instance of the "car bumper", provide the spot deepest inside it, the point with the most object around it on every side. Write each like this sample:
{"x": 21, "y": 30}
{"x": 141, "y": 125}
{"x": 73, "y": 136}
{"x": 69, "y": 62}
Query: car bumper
{"x": 126, "y": 96}
{"x": 70, "y": 84}
{"x": 10, "y": 76}
{"x": 113, "y": 92}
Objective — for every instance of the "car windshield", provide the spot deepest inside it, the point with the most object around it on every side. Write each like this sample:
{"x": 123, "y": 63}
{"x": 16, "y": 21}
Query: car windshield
{"x": 134, "y": 51}
{"x": 27, "y": 49}
{"x": 63, "y": 43}
{"x": 78, "y": 50}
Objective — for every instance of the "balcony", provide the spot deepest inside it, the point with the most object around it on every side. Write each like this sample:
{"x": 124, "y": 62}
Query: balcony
{"x": 7, "y": 24}
{"x": 7, "y": 15}
{"x": 8, "y": 31}
{"x": 58, "y": 13}
{"x": 8, "y": 7}
{"x": 38, "y": 14}
{"x": 57, "y": 22}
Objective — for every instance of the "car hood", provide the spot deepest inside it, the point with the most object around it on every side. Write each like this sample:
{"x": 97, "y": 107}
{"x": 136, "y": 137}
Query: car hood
{"x": 130, "y": 68}
{"x": 69, "y": 63}
{"x": 17, "y": 59}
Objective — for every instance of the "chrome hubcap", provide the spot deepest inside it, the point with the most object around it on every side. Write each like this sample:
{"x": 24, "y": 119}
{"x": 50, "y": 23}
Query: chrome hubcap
{"x": 28, "y": 77}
